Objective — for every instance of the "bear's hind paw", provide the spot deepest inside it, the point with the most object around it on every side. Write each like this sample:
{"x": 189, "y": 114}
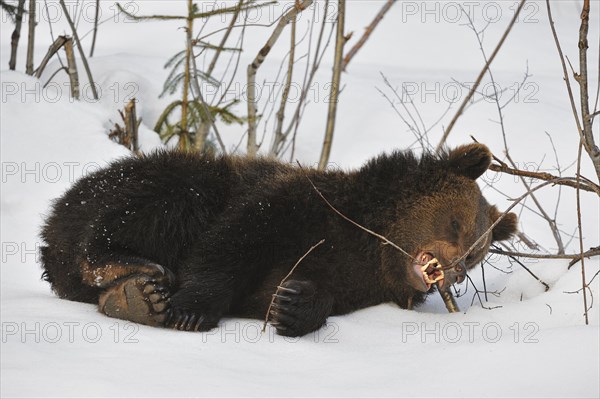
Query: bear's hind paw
{"x": 139, "y": 298}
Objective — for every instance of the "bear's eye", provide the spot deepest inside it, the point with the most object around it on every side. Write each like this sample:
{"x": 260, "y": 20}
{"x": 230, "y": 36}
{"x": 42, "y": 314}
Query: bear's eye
{"x": 455, "y": 226}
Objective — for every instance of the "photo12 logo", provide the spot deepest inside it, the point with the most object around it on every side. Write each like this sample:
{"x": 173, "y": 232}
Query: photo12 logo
{"x": 454, "y": 332}
{"x": 456, "y": 12}
{"x": 69, "y": 332}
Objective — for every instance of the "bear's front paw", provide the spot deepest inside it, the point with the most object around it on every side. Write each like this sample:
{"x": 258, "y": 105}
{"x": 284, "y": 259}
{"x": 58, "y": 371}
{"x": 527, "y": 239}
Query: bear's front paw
{"x": 299, "y": 308}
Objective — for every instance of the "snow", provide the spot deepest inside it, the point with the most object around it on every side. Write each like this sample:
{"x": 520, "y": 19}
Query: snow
{"x": 534, "y": 343}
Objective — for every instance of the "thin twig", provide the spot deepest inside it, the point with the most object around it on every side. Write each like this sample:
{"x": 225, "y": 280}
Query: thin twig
{"x": 588, "y": 186}
{"x": 588, "y": 254}
{"x": 80, "y": 48}
{"x": 479, "y": 78}
{"x": 580, "y": 129}
{"x": 284, "y": 279}
{"x": 96, "y": 17}
{"x": 54, "y": 47}
{"x": 582, "y": 78}
{"x": 583, "y": 283}
{"x": 368, "y": 30}
{"x": 16, "y": 35}
{"x": 252, "y": 147}
{"x": 547, "y": 287}
{"x": 219, "y": 49}
{"x": 382, "y": 238}
{"x": 278, "y": 138}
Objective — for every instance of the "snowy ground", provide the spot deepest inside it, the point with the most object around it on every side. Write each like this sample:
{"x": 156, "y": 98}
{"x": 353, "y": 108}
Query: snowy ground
{"x": 534, "y": 344}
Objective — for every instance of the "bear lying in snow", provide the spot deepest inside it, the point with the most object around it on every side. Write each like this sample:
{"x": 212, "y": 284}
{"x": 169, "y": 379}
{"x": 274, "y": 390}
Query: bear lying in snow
{"x": 181, "y": 240}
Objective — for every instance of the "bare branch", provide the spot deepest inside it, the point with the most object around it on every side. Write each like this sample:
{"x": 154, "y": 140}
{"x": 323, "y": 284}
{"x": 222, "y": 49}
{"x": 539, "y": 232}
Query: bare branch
{"x": 95, "y": 34}
{"x": 279, "y": 137}
{"x": 382, "y": 238}
{"x": 54, "y": 47}
{"x": 80, "y": 48}
{"x": 588, "y": 254}
{"x": 593, "y": 151}
{"x": 16, "y": 35}
{"x": 386, "y": 7}
{"x": 335, "y": 85}
{"x": 255, "y": 65}
{"x": 588, "y": 186}
{"x": 31, "y": 38}
{"x": 284, "y": 279}
{"x": 72, "y": 69}
{"x": 479, "y": 78}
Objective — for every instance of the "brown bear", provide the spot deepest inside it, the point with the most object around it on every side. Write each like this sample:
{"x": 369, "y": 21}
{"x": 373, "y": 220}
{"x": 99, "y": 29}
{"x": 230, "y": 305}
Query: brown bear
{"x": 181, "y": 240}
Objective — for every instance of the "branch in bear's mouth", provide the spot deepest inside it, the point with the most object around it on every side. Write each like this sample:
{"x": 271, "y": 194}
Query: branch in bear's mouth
{"x": 283, "y": 281}
{"x": 446, "y": 294}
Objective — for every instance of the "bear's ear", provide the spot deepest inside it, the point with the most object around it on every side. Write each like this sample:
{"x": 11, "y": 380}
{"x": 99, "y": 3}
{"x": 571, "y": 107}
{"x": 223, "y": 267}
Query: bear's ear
{"x": 470, "y": 160}
{"x": 506, "y": 228}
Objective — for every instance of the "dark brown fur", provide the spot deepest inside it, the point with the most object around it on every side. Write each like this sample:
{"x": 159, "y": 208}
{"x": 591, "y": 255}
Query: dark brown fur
{"x": 225, "y": 230}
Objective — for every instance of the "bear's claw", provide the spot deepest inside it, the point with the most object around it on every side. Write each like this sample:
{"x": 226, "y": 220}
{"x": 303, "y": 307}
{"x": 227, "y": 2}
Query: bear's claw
{"x": 297, "y": 309}
{"x": 184, "y": 320}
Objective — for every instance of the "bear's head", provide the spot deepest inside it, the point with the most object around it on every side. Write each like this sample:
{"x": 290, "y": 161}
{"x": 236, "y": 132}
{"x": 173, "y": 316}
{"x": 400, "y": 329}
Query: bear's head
{"x": 441, "y": 217}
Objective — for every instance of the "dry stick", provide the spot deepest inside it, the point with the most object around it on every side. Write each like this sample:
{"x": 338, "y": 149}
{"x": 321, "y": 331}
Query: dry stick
{"x": 583, "y": 283}
{"x": 307, "y": 82}
{"x": 80, "y": 48}
{"x": 54, "y": 47}
{"x": 386, "y": 7}
{"x": 72, "y": 69}
{"x": 284, "y": 279}
{"x": 382, "y": 238}
{"x": 207, "y": 112}
{"x": 218, "y": 51}
{"x": 587, "y": 133}
{"x": 52, "y": 36}
{"x": 584, "y": 140}
{"x": 582, "y": 79}
{"x": 183, "y": 137}
{"x": 204, "y": 127}
{"x": 96, "y": 17}
{"x": 279, "y": 137}
{"x": 31, "y": 38}
{"x": 479, "y": 78}
{"x": 589, "y": 186}
{"x": 340, "y": 40}
{"x": 252, "y": 147}
{"x": 588, "y": 254}
{"x": 131, "y": 124}
{"x": 569, "y": 89}
{"x": 16, "y": 35}
{"x": 547, "y": 287}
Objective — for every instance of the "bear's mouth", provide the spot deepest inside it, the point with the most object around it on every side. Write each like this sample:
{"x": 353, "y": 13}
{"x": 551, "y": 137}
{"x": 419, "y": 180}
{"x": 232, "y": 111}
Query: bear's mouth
{"x": 429, "y": 269}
